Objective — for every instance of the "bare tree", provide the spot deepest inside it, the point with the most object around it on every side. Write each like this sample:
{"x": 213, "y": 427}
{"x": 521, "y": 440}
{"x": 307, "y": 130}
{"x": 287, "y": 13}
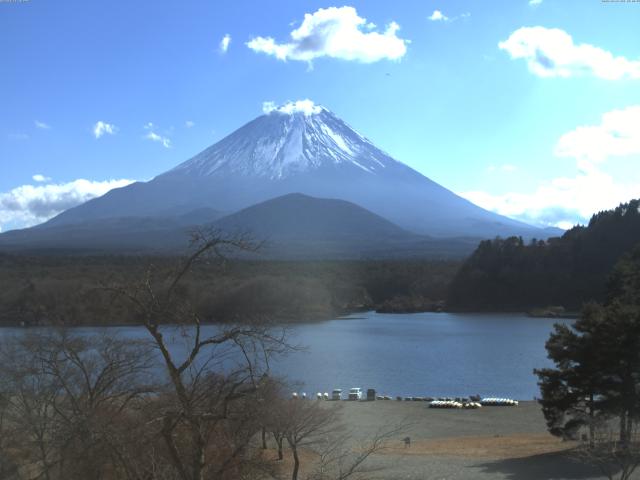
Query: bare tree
{"x": 307, "y": 423}
{"x": 317, "y": 427}
{"x": 341, "y": 457}
{"x": 28, "y": 407}
{"x": 64, "y": 394}
{"x": 274, "y": 415}
{"x": 217, "y": 373}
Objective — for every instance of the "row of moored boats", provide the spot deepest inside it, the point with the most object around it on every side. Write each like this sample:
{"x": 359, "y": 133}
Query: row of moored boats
{"x": 473, "y": 402}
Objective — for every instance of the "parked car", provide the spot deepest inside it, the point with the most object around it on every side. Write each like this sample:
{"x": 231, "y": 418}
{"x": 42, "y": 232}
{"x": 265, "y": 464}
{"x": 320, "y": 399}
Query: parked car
{"x": 336, "y": 394}
{"x": 371, "y": 394}
{"x": 355, "y": 393}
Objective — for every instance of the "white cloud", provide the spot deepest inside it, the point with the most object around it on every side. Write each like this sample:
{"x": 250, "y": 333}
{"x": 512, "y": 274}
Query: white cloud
{"x": 166, "y": 142}
{"x": 438, "y": 16}
{"x": 306, "y": 106}
{"x": 561, "y": 202}
{"x": 336, "y": 33}
{"x": 550, "y": 52}
{"x": 38, "y": 177}
{"x": 268, "y": 107}
{"x": 101, "y": 128}
{"x": 565, "y": 201}
{"x": 224, "y": 43}
{"x": 41, "y": 125}
{"x": 617, "y": 135}
{"x": 189, "y": 124}
{"x": 535, "y": 3}
{"x": 29, "y": 205}
{"x": 154, "y": 137}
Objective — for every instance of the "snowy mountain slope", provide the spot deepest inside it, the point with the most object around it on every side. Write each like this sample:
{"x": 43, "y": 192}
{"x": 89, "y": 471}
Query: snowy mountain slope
{"x": 277, "y": 146}
{"x": 301, "y": 150}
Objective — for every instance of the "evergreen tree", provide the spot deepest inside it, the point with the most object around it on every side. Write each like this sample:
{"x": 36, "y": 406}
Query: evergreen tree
{"x": 507, "y": 274}
{"x": 597, "y": 361}
{"x": 570, "y": 392}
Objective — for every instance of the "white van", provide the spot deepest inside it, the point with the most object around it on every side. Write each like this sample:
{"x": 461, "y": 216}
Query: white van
{"x": 355, "y": 393}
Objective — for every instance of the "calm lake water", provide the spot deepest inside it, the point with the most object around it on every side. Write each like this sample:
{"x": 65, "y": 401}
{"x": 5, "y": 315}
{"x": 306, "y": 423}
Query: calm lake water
{"x": 424, "y": 354}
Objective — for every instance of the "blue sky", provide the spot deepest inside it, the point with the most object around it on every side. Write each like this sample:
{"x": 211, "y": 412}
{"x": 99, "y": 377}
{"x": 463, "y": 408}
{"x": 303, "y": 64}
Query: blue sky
{"x": 531, "y": 109}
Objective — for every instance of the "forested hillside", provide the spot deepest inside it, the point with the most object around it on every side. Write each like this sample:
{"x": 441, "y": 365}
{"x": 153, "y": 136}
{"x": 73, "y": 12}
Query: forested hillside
{"x": 71, "y": 290}
{"x": 509, "y": 274}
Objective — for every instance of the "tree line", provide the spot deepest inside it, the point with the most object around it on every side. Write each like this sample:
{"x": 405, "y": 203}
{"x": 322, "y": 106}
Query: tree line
{"x": 511, "y": 274}
{"x": 57, "y": 290}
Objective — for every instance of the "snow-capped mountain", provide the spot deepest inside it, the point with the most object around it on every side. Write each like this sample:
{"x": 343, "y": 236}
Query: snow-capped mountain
{"x": 300, "y": 148}
{"x": 280, "y": 145}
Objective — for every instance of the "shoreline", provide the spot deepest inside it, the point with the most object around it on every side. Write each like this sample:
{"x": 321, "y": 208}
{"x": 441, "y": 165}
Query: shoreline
{"x": 343, "y": 316}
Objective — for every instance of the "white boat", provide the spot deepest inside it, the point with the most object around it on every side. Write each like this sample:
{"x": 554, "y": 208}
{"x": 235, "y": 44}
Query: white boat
{"x": 499, "y": 402}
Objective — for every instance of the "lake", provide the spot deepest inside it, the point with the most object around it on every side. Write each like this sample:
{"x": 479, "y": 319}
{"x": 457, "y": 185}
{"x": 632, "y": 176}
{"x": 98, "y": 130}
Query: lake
{"x": 423, "y": 354}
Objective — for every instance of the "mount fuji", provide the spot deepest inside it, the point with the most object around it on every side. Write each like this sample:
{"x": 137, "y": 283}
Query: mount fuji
{"x": 296, "y": 148}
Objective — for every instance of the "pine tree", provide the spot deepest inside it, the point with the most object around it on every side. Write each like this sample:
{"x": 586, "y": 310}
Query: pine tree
{"x": 570, "y": 392}
{"x": 597, "y": 361}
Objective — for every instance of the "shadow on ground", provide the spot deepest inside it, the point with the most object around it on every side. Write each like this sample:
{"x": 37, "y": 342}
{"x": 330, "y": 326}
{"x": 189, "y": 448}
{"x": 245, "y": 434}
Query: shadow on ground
{"x": 559, "y": 465}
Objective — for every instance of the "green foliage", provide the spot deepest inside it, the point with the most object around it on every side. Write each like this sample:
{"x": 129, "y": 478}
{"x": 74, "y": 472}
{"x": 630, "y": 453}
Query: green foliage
{"x": 624, "y": 283}
{"x": 507, "y": 274}
{"x": 597, "y": 360}
{"x": 570, "y": 392}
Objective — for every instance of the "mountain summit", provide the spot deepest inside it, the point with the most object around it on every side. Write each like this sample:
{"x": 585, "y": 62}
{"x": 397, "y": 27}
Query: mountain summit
{"x": 285, "y": 142}
{"x": 300, "y": 148}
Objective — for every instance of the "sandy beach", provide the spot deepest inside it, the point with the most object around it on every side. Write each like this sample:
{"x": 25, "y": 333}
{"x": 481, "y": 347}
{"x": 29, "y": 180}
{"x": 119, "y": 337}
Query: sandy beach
{"x": 488, "y": 443}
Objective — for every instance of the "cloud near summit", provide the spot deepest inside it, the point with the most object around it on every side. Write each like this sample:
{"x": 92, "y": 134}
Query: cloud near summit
{"x": 335, "y": 32}
{"x": 306, "y": 106}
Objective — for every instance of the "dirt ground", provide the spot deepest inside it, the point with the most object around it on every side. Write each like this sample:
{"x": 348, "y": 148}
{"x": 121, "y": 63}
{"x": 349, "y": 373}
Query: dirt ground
{"x": 488, "y": 443}
{"x": 482, "y": 447}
